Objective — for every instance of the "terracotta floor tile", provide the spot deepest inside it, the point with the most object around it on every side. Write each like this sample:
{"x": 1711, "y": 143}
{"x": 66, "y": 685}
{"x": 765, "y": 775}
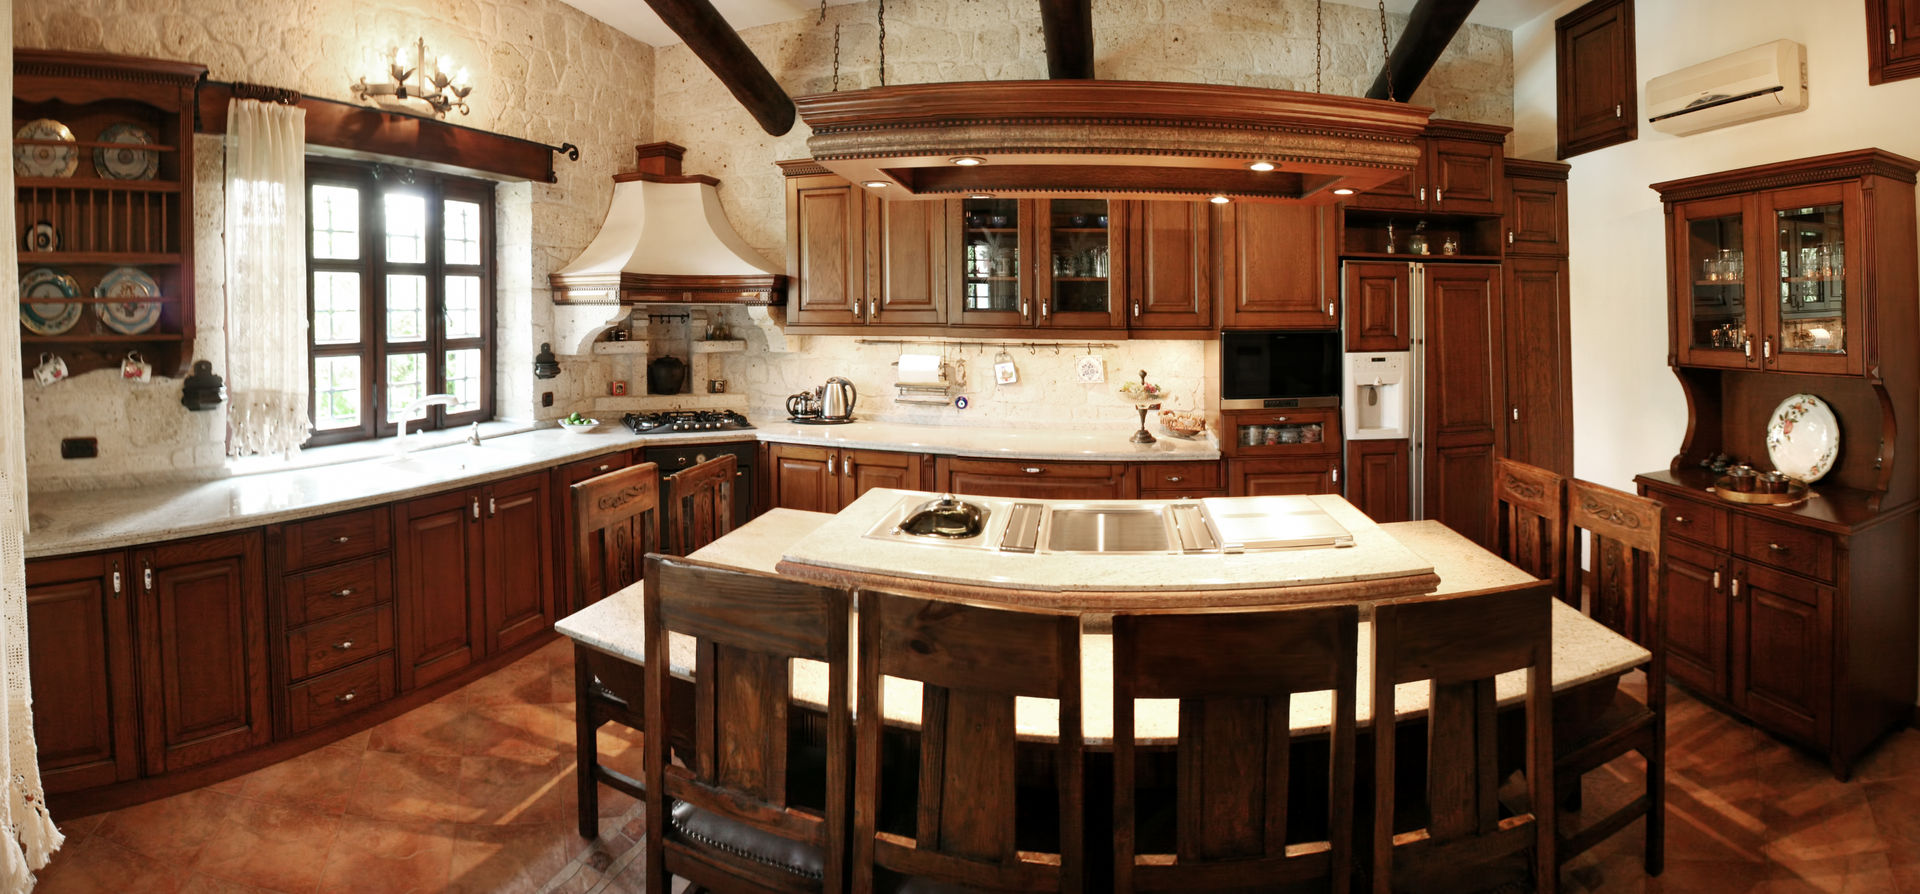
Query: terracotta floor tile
{"x": 529, "y": 681}
{"x": 357, "y": 741}
{"x": 498, "y": 790}
{"x": 1856, "y": 874}
{"x": 102, "y": 866}
{"x": 1896, "y": 813}
{"x": 409, "y": 788}
{"x": 270, "y": 846}
{"x": 78, "y": 828}
{"x": 375, "y": 857}
{"x": 207, "y": 884}
{"x": 1821, "y": 823}
{"x": 318, "y": 780}
{"x": 170, "y": 829}
{"x": 511, "y": 858}
{"x": 1896, "y": 758}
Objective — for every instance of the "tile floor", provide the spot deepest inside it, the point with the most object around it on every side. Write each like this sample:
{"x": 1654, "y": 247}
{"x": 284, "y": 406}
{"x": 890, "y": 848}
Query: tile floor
{"x": 475, "y": 792}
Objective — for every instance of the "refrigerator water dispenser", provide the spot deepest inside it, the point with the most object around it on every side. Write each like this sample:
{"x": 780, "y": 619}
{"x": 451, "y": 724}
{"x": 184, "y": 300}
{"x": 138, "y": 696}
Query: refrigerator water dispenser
{"x": 1376, "y": 396}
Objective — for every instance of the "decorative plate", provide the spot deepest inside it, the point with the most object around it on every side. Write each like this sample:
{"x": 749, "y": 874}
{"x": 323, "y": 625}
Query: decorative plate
{"x": 126, "y": 164}
{"x": 49, "y": 318}
{"x": 1803, "y": 437}
{"x": 45, "y": 161}
{"x": 43, "y": 237}
{"x": 130, "y": 317}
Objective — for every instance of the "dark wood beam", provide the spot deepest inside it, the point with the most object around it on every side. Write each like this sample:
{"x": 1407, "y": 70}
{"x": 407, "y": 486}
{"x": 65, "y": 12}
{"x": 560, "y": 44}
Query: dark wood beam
{"x": 716, "y": 43}
{"x": 1069, "y": 28}
{"x": 1430, "y": 27}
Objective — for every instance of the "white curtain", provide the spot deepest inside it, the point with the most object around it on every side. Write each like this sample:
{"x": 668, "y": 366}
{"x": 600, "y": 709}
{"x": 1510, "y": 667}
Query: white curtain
{"x": 27, "y": 834}
{"x": 266, "y": 277}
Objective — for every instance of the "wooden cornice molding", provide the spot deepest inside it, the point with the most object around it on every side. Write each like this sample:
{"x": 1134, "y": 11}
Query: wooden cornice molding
{"x": 1799, "y": 172}
{"x": 60, "y": 63}
{"x": 1537, "y": 170}
{"x": 649, "y": 288}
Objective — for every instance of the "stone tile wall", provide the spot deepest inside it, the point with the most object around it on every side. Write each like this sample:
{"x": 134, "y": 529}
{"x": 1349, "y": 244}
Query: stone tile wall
{"x": 542, "y": 70}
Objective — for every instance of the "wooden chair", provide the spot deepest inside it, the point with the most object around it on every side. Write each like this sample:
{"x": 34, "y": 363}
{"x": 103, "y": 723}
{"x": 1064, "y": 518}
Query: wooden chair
{"x": 972, "y": 663}
{"x": 615, "y": 526}
{"x": 1620, "y": 553}
{"x": 1529, "y": 506}
{"x": 1461, "y": 643}
{"x": 1234, "y": 675}
{"x": 726, "y": 821}
{"x": 700, "y": 504}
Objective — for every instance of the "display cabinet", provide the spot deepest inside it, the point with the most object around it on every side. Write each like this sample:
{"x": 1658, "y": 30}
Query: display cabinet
{"x": 1047, "y": 263}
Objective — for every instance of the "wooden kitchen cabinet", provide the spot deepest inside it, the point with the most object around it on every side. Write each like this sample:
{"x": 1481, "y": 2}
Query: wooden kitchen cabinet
{"x": 1378, "y": 298}
{"x": 1597, "y": 88}
{"x": 1283, "y": 477}
{"x": 331, "y": 611}
{"x": 1893, "y": 40}
{"x": 907, "y": 261}
{"x": 1782, "y": 664}
{"x": 1464, "y": 379}
{"x": 1034, "y": 479}
{"x": 1377, "y": 479}
{"x": 1277, "y": 266}
{"x": 1180, "y": 480}
{"x": 864, "y": 470}
{"x": 1695, "y": 582}
{"x": 202, "y": 642}
{"x": 518, "y": 545}
{"x": 85, "y": 715}
{"x": 826, "y": 479}
{"x": 1169, "y": 268}
{"x": 1538, "y": 344}
{"x": 1460, "y": 171}
{"x": 826, "y": 248}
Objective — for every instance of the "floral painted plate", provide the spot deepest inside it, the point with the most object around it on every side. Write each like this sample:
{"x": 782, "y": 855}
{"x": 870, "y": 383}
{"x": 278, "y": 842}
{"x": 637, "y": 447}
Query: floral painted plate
{"x": 130, "y": 317}
{"x": 45, "y": 161}
{"x": 49, "y": 318}
{"x": 126, "y": 163}
{"x": 1803, "y": 437}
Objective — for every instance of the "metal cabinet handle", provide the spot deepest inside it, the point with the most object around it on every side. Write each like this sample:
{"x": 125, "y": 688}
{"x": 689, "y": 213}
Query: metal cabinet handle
{"x": 116, "y": 582}
{"x": 1509, "y": 237}
{"x": 1136, "y": 308}
{"x": 1439, "y": 195}
{"x": 1616, "y": 110}
{"x": 1747, "y": 345}
{"x": 1681, "y": 520}
{"x": 1175, "y": 479}
{"x": 846, "y": 468}
{"x": 1336, "y": 475}
{"x": 1516, "y": 414}
{"x": 345, "y": 698}
{"x": 829, "y": 464}
{"x": 1329, "y": 308}
{"x": 1777, "y": 548}
{"x": 1735, "y": 588}
{"x": 1279, "y": 418}
{"x": 1766, "y": 349}
{"x": 1035, "y": 470}
{"x": 604, "y": 467}
{"x": 343, "y": 645}
{"x": 1043, "y": 310}
{"x": 342, "y": 539}
{"x": 1023, "y": 310}
{"x": 1716, "y": 580}
{"x": 873, "y": 309}
{"x": 476, "y": 508}
{"x": 343, "y": 592}
{"x": 1423, "y": 193}
{"x": 146, "y": 575}
{"x": 492, "y": 509}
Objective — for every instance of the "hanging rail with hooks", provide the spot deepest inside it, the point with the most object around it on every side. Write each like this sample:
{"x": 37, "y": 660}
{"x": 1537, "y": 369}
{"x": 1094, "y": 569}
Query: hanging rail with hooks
{"x": 1031, "y": 346}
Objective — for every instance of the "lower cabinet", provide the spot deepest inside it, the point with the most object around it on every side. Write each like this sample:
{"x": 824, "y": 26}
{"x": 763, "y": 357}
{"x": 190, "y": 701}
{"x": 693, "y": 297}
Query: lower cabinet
{"x": 84, "y": 709}
{"x": 1377, "y": 479}
{"x": 204, "y": 686}
{"x": 1035, "y": 479}
{"x": 1283, "y": 477}
{"x": 826, "y": 479}
{"x": 517, "y": 593}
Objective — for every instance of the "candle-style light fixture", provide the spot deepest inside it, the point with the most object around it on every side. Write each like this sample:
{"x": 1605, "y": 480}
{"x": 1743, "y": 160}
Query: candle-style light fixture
{"x": 444, "y": 88}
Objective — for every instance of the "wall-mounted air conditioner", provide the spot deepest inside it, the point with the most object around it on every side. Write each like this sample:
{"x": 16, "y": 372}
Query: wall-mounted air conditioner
{"x": 1768, "y": 80}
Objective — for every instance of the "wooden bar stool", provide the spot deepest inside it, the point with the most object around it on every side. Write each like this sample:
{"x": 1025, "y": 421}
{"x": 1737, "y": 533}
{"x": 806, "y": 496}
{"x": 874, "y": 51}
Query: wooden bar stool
{"x": 1235, "y": 675}
{"x": 1529, "y": 506}
{"x": 1454, "y": 830}
{"x": 727, "y": 821}
{"x": 1615, "y": 537}
{"x": 700, "y": 504}
{"x": 972, "y": 663}
{"x": 616, "y": 525}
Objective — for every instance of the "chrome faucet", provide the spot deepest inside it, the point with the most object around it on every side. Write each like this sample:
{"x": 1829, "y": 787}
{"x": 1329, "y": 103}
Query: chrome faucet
{"x": 407, "y": 415}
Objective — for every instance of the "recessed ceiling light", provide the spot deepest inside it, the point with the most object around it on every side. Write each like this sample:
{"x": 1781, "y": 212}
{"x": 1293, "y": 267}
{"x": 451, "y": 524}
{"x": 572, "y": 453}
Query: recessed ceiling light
{"x": 981, "y": 195}
{"x": 1219, "y": 200}
{"x": 875, "y": 184}
{"x": 1343, "y": 191}
{"x": 968, "y": 161}
{"x": 1261, "y": 166}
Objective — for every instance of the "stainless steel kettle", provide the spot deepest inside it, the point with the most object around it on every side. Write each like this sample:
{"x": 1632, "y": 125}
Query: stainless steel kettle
{"x": 836, "y": 399}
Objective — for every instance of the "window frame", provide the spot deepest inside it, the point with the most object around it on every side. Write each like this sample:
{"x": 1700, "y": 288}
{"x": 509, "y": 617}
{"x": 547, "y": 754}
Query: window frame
{"x": 374, "y": 182}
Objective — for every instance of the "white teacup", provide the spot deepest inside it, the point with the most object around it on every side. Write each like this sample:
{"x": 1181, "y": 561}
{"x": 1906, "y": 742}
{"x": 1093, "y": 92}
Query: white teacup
{"x": 135, "y": 368}
{"x": 51, "y": 369}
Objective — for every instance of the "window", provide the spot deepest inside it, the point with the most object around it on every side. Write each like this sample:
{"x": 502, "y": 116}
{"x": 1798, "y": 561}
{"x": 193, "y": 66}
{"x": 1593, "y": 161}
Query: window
{"x": 400, "y": 297}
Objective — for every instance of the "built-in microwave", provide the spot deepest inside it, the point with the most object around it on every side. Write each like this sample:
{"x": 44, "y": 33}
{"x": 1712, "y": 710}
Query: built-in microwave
{"x": 1279, "y": 369}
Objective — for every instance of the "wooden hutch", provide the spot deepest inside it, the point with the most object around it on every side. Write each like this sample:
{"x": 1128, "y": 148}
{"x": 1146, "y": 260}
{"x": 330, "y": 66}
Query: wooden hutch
{"x": 1789, "y": 278}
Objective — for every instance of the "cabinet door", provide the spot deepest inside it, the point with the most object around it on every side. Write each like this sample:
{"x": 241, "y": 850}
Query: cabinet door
{"x": 440, "y": 570}
{"x": 1893, "y": 40}
{"x": 1377, "y": 479}
{"x": 518, "y": 555}
{"x": 1375, "y": 295}
{"x": 908, "y": 282}
{"x": 1782, "y": 654}
{"x": 1076, "y": 279}
{"x": 1536, "y": 215}
{"x": 1595, "y": 77}
{"x": 864, "y": 470}
{"x": 1282, "y": 477}
{"x": 1813, "y": 287}
{"x": 1539, "y": 363}
{"x": 1464, "y": 400}
{"x": 996, "y": 245}
{"x": 1035, "y": 479}
{"x": 1696, "y": 582}
{"x": 564, "y": 478}
{"x": 1466, "y": 176}
{"x": 1168, "y": 264}
{"x": 826, "y": 254}
{"x": 203, "y": 650}
{"x": 1716, "y": 322}
{"x": 82, "y": 667}
{"x": 803, "y": 477}
{"x": 1400, "y": 194}
{"x": 1277, "y": 266}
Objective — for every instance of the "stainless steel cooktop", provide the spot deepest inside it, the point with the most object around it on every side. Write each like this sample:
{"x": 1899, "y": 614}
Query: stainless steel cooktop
{"x": 1132, "y": 527}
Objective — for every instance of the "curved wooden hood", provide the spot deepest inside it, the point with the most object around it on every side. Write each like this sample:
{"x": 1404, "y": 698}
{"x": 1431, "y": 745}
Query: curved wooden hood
{"x": 1118, "y": 138}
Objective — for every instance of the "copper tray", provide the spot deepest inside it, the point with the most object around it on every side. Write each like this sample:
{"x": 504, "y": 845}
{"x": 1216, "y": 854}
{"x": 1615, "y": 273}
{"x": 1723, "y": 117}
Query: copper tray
{"x": 1796, "y": 492}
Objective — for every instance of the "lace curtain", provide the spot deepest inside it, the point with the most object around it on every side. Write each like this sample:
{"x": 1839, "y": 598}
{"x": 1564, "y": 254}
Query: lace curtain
{"x": 266, "y": 277}
{"x": 27, "y": 834}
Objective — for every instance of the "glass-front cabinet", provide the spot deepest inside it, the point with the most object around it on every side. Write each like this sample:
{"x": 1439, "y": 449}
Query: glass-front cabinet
{"x": 1815, "y": 288}
{"x": 993, "y": 289}
{"x": 1713, "y": 279}
{"x": 1080, "y": 272}
{"x": 1037, "y": 263}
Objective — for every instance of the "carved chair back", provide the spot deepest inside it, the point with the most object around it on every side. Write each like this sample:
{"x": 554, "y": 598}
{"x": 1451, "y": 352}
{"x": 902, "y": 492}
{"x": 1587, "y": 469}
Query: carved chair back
{"x": 1529, "y": 505}
{"x": 616, "y": 522}
{"x": 700, "y": 504}
{"x": 1613, "y": 558}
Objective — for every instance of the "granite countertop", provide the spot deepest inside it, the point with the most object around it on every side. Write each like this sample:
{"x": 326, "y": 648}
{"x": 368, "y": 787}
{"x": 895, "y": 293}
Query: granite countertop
{"x": 1583, "y": 650}
{"x": 1003, "y": 443}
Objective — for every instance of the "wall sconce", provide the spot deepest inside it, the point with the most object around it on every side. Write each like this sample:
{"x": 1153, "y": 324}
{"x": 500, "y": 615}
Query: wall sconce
{"x": 449, "y": 87}
{"x": 545, "y": 365}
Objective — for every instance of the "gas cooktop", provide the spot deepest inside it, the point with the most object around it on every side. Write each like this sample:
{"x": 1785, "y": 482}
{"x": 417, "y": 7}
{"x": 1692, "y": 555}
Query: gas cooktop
{"x": 685, "y": 420}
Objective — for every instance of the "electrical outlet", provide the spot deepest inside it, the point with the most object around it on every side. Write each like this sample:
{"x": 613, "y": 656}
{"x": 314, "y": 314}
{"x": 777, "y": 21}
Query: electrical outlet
{"x": 79, "y": 448}
{"x": 546, "y": 399}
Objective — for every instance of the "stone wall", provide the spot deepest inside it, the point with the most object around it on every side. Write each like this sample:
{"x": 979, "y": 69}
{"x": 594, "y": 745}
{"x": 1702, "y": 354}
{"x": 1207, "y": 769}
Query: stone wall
{"x": 1258, "y": 45}
{"x": 542, "y": 70}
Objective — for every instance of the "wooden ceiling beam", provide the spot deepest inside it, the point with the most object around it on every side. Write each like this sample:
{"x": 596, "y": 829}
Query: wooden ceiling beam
{"x": 1430, "y": 27}
{"x": 716, "y": 43}
{"x": 1069, "y": 29}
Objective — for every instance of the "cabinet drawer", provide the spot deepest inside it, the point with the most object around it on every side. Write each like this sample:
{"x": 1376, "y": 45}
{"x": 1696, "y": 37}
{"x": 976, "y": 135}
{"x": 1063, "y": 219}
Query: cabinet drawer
{"x": 322, "y": 700}
{"x": 1178, "y": 478}
{"x": 1288, "y": 432}
{"x": 1699, "y": 522}
{"x": 348, "y": 535}
{"x": 321, "y": 647}
{"x": 338, "y": 589}
{"x": 1785, "y": 546}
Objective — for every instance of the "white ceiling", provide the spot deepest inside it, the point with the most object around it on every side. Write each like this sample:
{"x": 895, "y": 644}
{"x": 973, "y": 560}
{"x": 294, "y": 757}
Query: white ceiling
{"x": 636, "y": 18}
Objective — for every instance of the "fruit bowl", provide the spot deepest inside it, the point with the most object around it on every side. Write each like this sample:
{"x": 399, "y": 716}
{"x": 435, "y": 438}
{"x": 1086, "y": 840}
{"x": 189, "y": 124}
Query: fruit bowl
{"x": 580, "y": 428}
{"x": 1186, "y": 425}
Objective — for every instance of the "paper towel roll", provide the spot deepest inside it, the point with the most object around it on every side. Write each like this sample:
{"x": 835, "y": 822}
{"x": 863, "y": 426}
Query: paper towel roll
{"x": 921, "y": 369}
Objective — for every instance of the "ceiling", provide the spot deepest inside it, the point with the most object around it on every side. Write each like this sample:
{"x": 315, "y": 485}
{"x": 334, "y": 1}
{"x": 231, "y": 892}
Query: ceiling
{"x": 637, "y": 19}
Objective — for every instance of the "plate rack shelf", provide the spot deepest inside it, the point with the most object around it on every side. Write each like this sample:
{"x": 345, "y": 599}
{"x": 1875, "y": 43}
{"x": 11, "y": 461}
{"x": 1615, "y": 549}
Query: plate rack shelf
{"x": 88, "y": 223}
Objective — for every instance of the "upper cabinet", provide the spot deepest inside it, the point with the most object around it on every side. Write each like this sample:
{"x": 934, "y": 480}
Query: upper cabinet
{"x": 1594, "y": 70}
{"x": 1169, "y": 281}
{"x": 103, "y": 197}
{"x": 1459, "y": 173}
{"x": 1046, "y": 263}
{"x": 1278, "y": 266}
{"x": 1787, "y": 267}
{"x": 1893, "y": 40}
{"x": 826, "y": 261}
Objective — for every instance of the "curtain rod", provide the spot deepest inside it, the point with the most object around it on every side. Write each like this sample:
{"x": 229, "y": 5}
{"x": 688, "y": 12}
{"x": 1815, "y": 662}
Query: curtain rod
{"x": 283, "y": 96}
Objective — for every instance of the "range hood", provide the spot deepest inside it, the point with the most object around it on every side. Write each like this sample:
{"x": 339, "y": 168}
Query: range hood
{"x": 667, "y": 240}
{"x": 1112, "y": 138}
